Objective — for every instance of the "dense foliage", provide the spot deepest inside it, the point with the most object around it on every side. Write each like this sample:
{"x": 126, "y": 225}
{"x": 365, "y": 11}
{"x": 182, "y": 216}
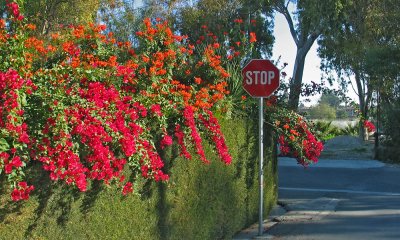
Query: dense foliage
{"x": 87, "y": 106}
{"x": 199, "y": 201}
{"x": 90, "y": 108}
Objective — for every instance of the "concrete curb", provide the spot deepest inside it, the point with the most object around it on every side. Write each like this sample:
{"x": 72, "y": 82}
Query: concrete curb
{"x": 252, "y": 231}
{"x": 289, "y": 212}
{"x": 333, "y": 163}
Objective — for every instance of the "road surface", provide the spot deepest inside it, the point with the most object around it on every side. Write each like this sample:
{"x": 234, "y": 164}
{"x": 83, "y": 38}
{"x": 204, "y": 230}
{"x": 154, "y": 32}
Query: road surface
{"x": 338, "y": 199}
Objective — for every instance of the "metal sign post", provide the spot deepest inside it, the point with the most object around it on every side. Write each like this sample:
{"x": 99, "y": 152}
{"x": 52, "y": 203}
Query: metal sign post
{"x": 261, "y": 171}
{"x": 260, "y": 80}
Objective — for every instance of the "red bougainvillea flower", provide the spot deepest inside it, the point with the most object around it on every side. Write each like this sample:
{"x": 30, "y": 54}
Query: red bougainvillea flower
{"x": 127, "y": 188}
{"x": 296, "y": 139}
{"x": 89, "y": 108}
{"x": 369, "y": 126}
{"x": 21, "y": 192}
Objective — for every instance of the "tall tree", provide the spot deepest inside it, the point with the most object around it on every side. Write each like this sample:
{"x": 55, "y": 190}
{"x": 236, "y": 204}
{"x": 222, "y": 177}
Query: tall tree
{"x": 123, "y": 17}
{"x": 219, "y": 17}
{"x": 360, "y": 49}
{"x": 187, "y": 17}
{"x": 49, "y": 15}
{"x": 308, "y": 21}
{"x": 383, "y": 52}
{"x": 330, "y": 99}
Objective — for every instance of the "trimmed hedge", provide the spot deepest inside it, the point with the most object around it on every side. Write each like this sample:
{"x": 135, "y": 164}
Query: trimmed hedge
{"x": 199, "y": 202}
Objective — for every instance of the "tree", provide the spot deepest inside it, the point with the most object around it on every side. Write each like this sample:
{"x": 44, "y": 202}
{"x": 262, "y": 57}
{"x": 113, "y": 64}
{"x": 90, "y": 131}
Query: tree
{"x": 322, "y": 111}
{"x": 357, "y": 48}
{"x": 220, "y": 17}
{"x": 188, "y": 17}
{"x": 309, "y": 21}
{"x": 330, "y": 99}
{"x": 49, "y": 15}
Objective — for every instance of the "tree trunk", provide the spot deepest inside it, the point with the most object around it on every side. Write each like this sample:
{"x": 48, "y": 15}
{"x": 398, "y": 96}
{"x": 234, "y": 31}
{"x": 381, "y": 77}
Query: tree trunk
{"x": 363, "y": 106}
{"x": 295, "y": 86}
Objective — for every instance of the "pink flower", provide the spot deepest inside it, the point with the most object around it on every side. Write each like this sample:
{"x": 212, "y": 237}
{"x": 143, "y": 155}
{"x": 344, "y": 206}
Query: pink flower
{"x": 21, "y": 192}
{"x": 188, "y": 114}
{"x": 16, "y": 162}
{"x": 180, "y": 138}
{"x": 369, "y": 125}
{"x": 156, "y": 109}
{"x": 127, "y": 188}
{"x": 166, "y": 141}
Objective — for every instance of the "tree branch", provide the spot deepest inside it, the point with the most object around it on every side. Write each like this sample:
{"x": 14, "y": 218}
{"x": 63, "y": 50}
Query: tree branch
{"x": 311, "y": 39}
{"x": 281, "y": 8}
{"x": 352, "y": 85}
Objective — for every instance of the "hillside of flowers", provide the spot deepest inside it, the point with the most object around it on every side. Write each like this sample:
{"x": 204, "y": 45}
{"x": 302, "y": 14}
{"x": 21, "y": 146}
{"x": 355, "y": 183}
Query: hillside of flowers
{"x": 89, "y": 108}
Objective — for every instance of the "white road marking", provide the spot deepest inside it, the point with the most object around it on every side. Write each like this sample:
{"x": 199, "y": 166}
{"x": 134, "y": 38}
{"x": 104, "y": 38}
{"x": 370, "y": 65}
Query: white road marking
{"x": 339, "y": 191}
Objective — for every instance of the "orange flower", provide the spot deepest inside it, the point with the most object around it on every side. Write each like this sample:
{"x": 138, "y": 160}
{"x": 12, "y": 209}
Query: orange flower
{"x": 31, "y": 27}
{"x": 286, "y": 126}
{"x": 244, "y": 97}
{"x": 75, "y": 62}
{"x": 159, "y": 56}
{"x": 113, "y": 61}
{"x": 161, "y": 72}
{"x": 78, "y": 31}
{"x": 145, "y": 59}
{"x": 294, "y": 132}
{"x": 36, "y": 44}
{"x": 170, "y": 54}
{"x": 253, "y": 37}
{"x": 197, "y": 80}
{"x": 217, "y": 96}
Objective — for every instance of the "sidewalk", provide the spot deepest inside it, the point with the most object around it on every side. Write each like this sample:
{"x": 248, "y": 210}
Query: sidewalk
{"x": 252, "y": 231}
{"x": 290, "y": 211}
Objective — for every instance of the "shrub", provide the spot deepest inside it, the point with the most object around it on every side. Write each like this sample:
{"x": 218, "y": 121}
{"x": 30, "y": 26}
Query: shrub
{"x": 86, "y": 106}
{"x": 200, "y": 201}
{"x": 324, "y": 130}
{"x": 322, "y": 111}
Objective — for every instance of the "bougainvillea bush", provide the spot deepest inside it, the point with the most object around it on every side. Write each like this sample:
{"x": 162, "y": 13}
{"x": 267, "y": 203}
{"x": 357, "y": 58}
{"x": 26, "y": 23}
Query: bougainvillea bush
{"x": 295, "y": 135}
{"x": 87, "y": 107}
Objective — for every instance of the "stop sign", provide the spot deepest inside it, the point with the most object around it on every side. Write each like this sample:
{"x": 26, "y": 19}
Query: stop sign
{"x": 260, "y": 78}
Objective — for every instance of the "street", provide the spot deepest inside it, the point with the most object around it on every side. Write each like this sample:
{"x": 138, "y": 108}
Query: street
{"x": 338, "y": 199}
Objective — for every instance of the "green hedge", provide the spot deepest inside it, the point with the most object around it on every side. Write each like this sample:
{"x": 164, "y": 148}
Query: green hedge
{"x": 199, "y": 202}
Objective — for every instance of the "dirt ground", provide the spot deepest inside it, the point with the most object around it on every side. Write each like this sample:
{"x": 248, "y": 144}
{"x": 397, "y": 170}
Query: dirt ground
{"x": 348, "y": 147}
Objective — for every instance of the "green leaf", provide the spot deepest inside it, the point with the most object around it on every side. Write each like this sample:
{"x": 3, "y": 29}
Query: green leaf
{"x": 4, "y": 145}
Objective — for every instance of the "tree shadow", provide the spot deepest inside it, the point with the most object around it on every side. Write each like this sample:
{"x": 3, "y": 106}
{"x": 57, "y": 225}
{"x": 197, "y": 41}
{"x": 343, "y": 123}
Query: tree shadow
{"x": 90, "y": 197}
{"x": 10, "y": 207}
{"x": 163, "y": 208}
{"x": 43, "y": 192}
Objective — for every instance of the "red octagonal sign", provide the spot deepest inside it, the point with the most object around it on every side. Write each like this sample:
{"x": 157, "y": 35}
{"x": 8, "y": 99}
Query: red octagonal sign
{"x": 260, "y": 78}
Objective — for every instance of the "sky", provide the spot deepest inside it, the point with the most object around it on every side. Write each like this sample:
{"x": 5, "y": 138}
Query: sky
{"x": 285, "y": 47}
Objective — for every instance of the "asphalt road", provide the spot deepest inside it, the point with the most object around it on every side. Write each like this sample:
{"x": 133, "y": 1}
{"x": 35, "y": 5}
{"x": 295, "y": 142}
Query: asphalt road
{"x": 338, "y": 199}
